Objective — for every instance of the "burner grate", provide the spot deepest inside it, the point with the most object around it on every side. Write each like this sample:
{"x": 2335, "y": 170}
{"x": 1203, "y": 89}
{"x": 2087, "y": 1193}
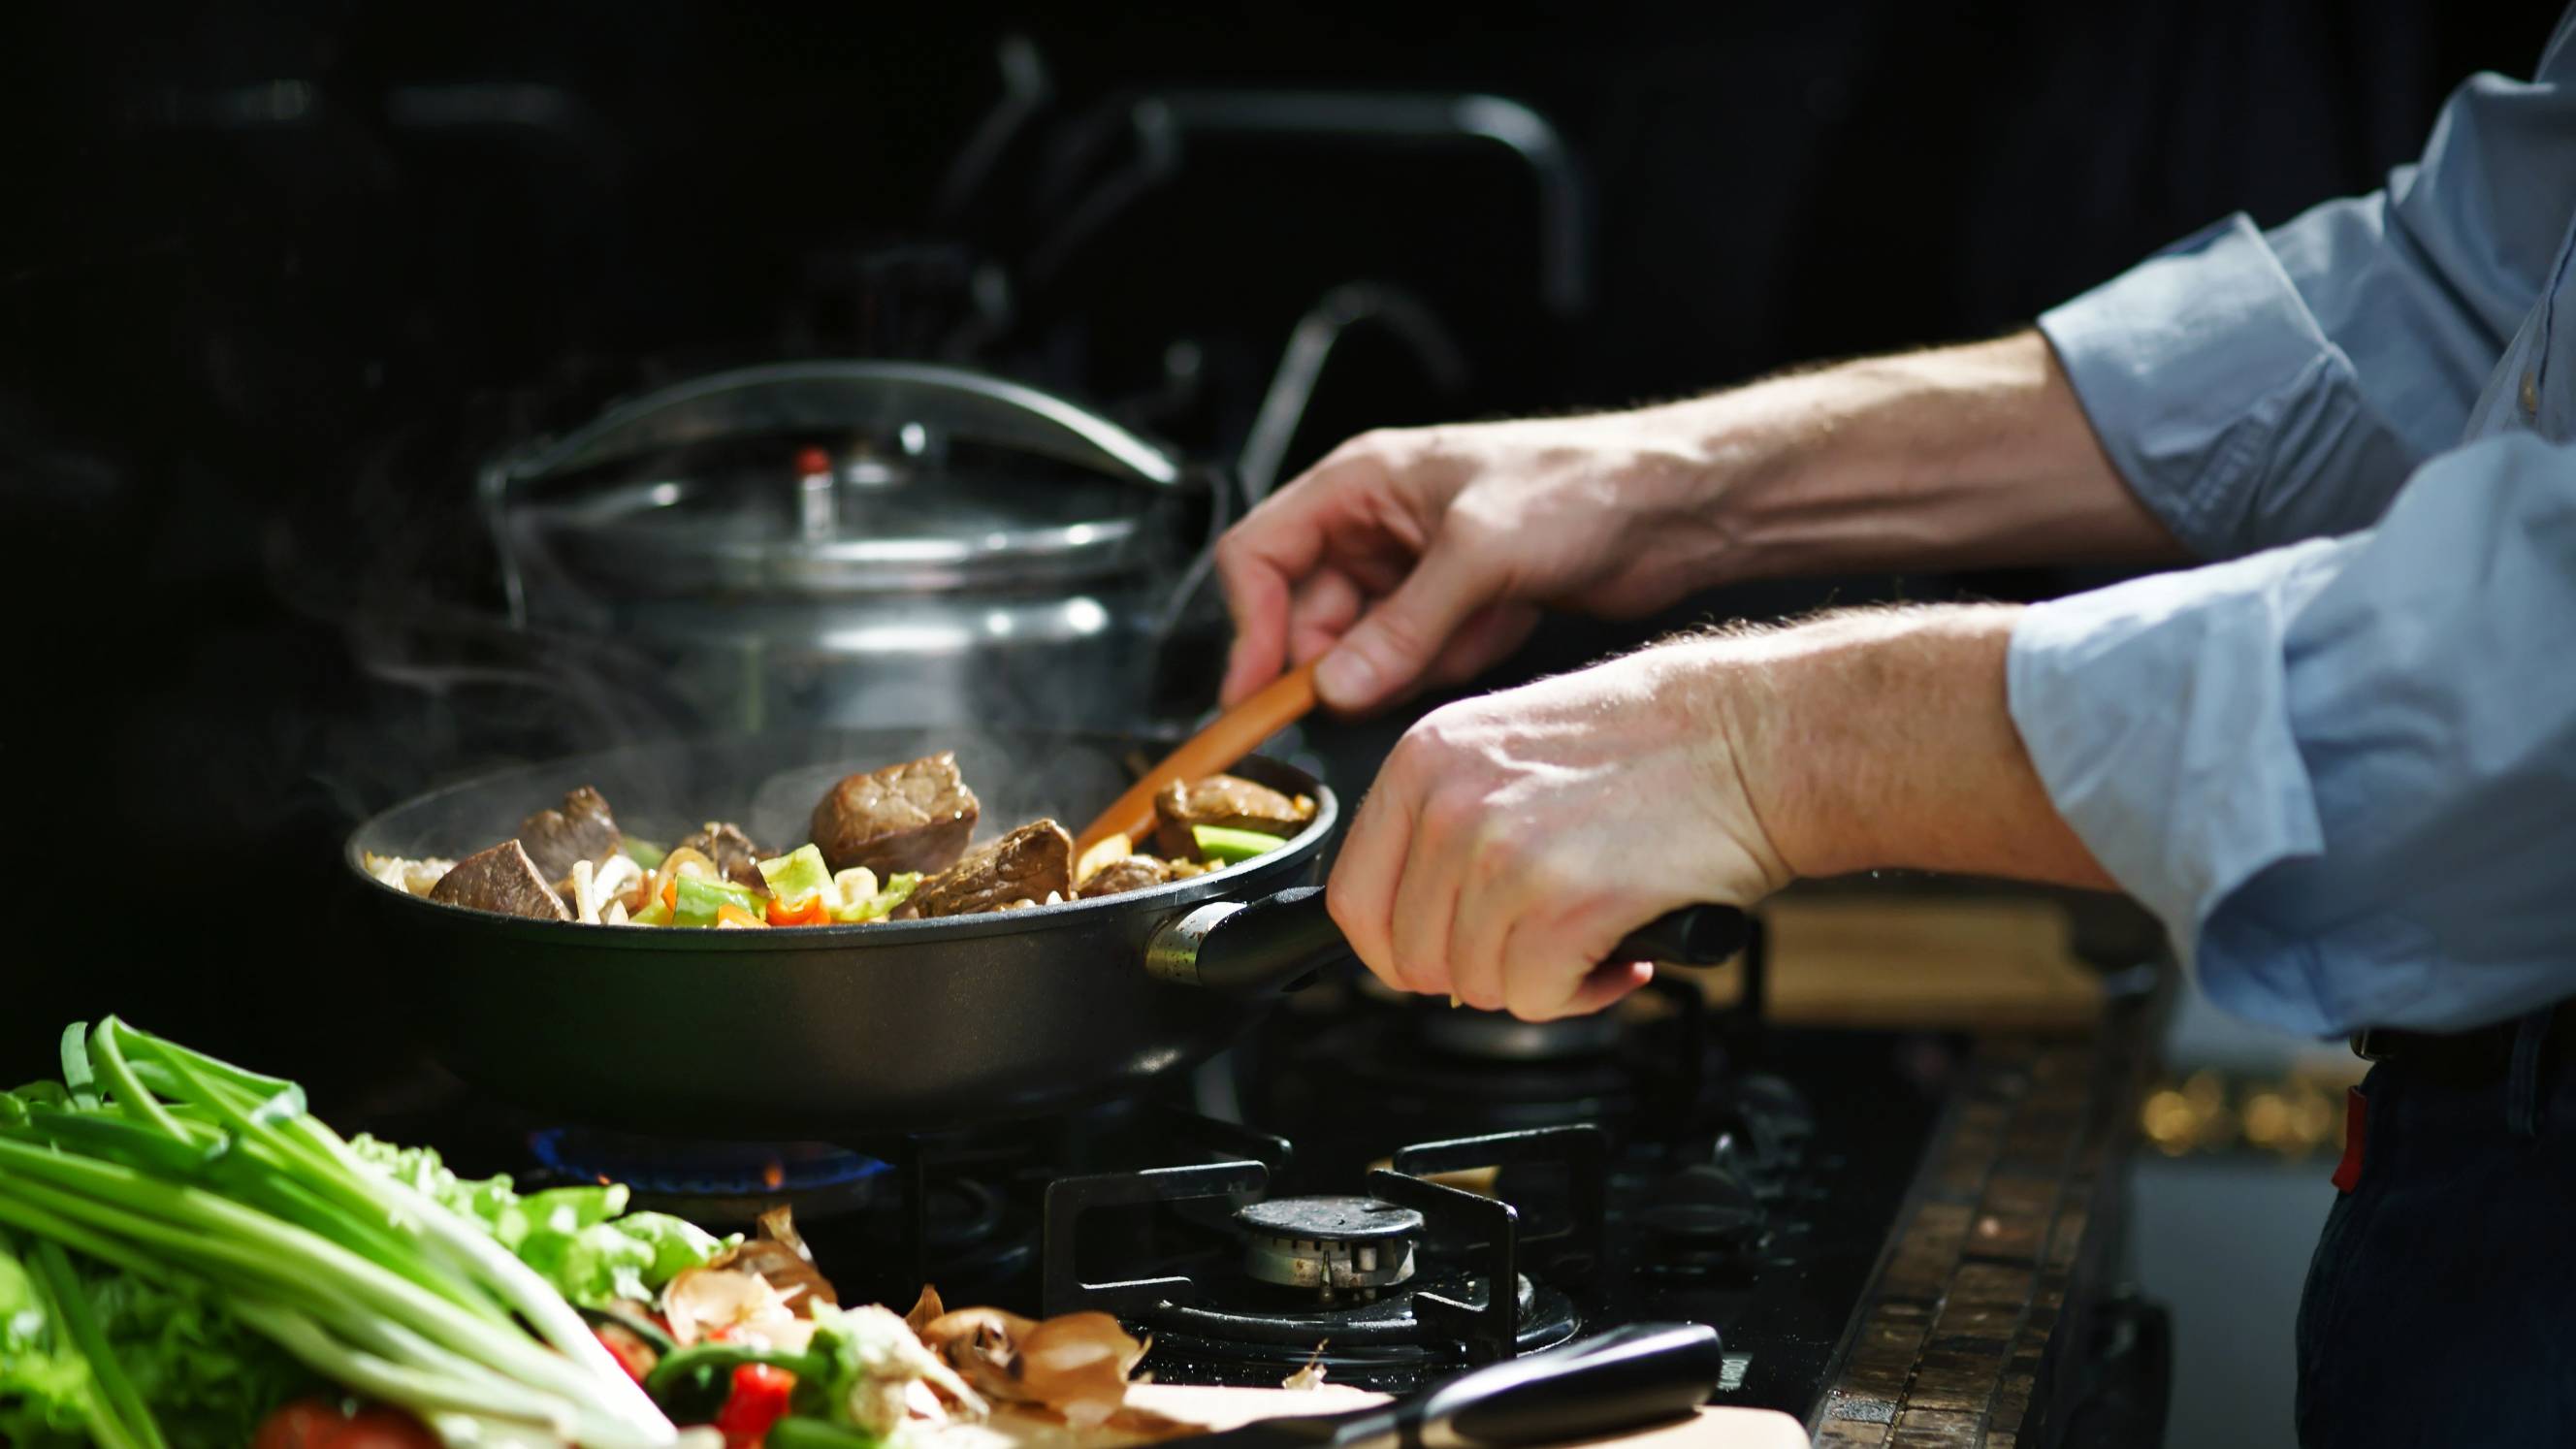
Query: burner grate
{"x": 1474, "y": 1304}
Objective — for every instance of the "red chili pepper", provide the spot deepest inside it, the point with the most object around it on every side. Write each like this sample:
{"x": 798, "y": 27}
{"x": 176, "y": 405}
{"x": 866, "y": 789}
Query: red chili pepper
{"x": 758, "y": 1400}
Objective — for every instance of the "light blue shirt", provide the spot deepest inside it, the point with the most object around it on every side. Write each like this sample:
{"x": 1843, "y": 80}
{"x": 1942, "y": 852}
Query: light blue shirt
{"x": 2341, "y": 764}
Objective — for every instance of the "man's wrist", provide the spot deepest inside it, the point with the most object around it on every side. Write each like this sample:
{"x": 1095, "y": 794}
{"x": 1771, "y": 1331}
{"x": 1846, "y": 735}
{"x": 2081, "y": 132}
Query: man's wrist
{"x": 1882, "y": 739}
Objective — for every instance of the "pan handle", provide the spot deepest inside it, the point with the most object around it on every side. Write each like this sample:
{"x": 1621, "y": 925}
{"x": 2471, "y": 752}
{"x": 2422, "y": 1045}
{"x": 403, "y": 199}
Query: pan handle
{"x": 1274, "y": 944}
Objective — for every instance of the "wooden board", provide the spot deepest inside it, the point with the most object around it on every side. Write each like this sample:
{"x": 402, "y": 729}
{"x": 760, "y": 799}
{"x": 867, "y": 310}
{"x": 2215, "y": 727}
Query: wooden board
{"x": 1845, "y": 960}
{"x": 1226, "y": 1408}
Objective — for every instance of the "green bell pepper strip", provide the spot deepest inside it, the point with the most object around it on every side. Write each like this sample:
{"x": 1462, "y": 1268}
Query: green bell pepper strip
{"x": 881, "y": 905}
{"x": 642, "y": 852}
{"x": 799, "y": 875}
{"x": 695, "y": 902}
{"x": 1230, "y": 847}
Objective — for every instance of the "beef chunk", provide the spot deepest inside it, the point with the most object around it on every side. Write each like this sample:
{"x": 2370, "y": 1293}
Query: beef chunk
{"x": 1127, "y": 873}
{"x": 1225, "y": 800}
{"x": 581, "y": 829}
{"x": 1026, "y": 865}
{"x": 731, "y": 850}
{"x": 913, "y": 816}
{"x": 503, "y": 880}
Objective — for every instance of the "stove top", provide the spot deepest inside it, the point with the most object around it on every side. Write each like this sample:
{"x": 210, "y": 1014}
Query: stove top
{"x": 1393, "y": 1189}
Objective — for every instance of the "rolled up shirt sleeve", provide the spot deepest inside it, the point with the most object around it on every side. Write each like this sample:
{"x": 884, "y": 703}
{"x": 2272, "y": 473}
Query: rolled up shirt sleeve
{"x": 2257, "y": 388}
{"x": 2343, "y": 773}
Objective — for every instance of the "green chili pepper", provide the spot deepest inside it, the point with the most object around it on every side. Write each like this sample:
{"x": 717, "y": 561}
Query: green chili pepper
{"x": 1227, "y": 847}
{"x": 798, "y": 1432}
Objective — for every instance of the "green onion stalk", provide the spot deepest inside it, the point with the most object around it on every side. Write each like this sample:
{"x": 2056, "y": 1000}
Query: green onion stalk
{"x": 168, "y": 1164}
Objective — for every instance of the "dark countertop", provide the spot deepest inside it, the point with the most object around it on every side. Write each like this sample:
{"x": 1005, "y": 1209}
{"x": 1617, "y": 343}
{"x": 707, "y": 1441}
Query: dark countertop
{"x": 1997, "y": 1317}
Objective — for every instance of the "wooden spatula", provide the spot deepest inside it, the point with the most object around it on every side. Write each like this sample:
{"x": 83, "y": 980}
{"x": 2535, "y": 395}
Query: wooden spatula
{"x": 1213, "y": 750}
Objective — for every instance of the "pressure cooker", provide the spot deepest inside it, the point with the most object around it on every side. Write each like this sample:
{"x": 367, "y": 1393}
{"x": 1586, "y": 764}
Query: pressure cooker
{"x": 871, "y": 544}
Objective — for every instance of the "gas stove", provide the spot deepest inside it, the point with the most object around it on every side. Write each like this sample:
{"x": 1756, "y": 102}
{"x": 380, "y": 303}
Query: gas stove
{"x": 1387, "y": 1189}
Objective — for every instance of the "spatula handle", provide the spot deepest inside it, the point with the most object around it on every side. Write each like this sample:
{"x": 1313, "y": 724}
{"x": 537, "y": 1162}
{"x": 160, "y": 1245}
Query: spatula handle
{"x": 1213, "y": 750}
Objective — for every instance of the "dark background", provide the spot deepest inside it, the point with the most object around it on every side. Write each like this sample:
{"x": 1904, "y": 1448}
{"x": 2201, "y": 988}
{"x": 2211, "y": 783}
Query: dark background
{"x": 274, "y": 277}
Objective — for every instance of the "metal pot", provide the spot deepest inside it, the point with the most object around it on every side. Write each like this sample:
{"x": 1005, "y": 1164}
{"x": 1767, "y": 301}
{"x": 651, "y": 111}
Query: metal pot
{"x": 849, "y": 544}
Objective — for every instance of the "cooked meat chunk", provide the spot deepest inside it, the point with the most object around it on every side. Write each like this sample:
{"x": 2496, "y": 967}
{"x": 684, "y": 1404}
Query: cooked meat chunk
{"x": 913, "y": 816}
{"x": 1234, "y": 803}
{"x": 580, "y": 829}
{"x": 1127, "y": 873}
{"x": 503, "y": 880}
{"x": 731, "y": 850}
{"x": 1024, "y": 865}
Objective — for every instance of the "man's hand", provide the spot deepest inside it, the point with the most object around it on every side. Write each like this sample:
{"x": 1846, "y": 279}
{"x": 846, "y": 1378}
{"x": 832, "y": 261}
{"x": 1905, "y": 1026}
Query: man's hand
{"x": 1422, "y": 555}
{"x": 1512, "y": 839}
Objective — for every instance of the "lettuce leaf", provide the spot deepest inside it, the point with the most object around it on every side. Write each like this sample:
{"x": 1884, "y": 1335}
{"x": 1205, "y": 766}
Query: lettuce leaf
{"x": 580, "y": 1239}
{"x": 207, "y": 1379}
{"x": 47, "y": 1396}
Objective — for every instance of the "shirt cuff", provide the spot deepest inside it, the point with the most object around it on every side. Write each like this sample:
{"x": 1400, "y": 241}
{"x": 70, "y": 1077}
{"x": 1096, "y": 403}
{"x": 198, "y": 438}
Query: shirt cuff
{"x": 2204, "y": 373}
{"x": 2157, "y": 715}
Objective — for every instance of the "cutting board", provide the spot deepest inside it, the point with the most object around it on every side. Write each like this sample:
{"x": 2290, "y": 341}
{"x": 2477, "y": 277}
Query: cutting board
{"x": 1226, "y": 1408}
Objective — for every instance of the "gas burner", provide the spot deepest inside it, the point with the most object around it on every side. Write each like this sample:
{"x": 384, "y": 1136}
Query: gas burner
{"x": 1395, "y": 1332}
{"x": 1705, "y": 1221}
{"x": 1330, "y": 1245}
{"x": 1493, "y": 1036}
{"x": 1417, "y": 1069}
{"x": 1414, "y": 1276}
{"x": 719, "y": 1183}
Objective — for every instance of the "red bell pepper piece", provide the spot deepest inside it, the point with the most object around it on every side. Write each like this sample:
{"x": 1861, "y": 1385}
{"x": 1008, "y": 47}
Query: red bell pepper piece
{"x": 758, "y": 1400}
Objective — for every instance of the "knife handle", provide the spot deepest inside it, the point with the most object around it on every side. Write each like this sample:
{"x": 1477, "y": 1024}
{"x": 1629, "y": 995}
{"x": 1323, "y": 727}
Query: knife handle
{"x": 1628, "y": 1378}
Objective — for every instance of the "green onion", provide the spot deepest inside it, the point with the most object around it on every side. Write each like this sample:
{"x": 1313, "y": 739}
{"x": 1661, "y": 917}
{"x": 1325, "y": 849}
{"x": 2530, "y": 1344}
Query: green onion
{"x": 169, "y": 1164}
{"x": 123, "y": 1418}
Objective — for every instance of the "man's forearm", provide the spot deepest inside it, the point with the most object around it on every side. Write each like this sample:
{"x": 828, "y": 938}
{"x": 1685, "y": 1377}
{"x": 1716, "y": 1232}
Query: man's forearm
{"x": 1968, "y": 456}
{"x": 1883, "y": 739}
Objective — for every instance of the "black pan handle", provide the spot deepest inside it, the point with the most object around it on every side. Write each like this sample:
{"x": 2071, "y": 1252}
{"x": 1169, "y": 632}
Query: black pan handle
{"x": 1267, "y": 947}
{"x": 1691, "y": 936}
{"x": 1274, "y": 944}
{"x": 1628, "y": 1378}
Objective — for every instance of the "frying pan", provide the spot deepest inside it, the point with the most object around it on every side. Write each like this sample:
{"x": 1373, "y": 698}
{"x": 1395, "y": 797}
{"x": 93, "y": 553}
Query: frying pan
{"x": 826, "y": 1031}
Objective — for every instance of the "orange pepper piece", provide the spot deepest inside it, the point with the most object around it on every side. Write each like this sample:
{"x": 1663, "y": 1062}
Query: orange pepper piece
{"x": 808, "y": 912}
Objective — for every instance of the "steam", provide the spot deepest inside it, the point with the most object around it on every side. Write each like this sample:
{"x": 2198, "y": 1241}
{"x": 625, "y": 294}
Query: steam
{"x": 401, "y": 568}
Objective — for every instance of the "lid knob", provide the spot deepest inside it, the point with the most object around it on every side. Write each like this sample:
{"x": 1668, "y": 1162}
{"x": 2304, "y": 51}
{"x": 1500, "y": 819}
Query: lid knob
{"x": 817, "y": 510}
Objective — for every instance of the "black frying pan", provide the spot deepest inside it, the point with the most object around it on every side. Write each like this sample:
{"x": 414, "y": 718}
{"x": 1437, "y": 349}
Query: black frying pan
{"x": 833, "y": 1030}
